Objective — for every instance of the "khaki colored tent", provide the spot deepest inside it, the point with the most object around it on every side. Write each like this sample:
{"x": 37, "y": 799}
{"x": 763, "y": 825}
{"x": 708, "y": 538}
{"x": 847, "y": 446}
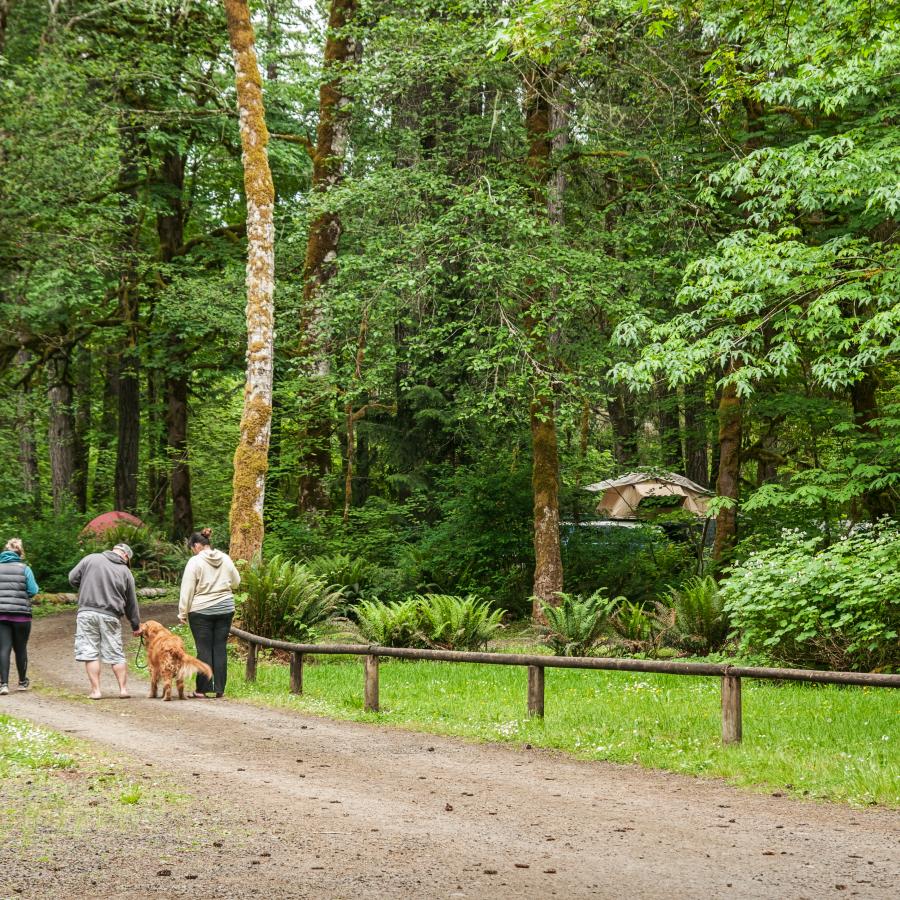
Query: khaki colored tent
{"x": 621, "y": 497}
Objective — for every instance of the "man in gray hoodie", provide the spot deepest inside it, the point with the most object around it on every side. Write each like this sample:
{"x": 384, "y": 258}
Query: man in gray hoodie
{"x": 105, "y": 593}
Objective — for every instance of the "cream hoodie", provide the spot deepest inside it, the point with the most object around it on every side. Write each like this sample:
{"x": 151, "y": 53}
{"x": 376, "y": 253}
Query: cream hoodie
{"x": 209, "y": 577}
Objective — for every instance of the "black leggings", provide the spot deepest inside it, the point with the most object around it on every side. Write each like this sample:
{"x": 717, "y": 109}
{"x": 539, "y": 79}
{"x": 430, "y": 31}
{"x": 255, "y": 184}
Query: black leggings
{"x": 211, "y": 636}
{"x": 14, "y": 637}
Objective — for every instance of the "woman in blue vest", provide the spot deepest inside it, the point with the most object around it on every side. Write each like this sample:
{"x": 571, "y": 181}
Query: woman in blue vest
{"x": 17, "y": 587}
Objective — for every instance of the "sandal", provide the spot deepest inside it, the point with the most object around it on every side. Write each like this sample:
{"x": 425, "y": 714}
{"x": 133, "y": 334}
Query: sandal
{"x": 195, "y": 695}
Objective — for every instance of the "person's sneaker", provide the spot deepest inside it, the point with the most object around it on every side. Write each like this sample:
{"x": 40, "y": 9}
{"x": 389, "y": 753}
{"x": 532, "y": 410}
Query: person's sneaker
{"x": 4, "y": 688}
{"x": 24, "y": 685}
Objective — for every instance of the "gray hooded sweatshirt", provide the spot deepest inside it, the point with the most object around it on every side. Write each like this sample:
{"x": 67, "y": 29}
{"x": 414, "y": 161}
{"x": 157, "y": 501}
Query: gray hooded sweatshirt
{"x": 105, "y": 585}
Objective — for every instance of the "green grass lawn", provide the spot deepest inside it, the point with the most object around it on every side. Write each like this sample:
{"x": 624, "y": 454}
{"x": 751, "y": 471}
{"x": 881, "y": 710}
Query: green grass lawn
{"x": 819, "y": 741}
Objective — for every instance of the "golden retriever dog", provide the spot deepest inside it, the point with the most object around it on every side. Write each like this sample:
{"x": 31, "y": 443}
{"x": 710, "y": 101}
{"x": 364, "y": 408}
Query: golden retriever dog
{"x": 167, "y": 659}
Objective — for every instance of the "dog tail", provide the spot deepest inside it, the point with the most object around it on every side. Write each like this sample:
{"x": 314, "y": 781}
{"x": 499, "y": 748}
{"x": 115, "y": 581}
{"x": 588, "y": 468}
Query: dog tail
{"x": 192, "y": 664}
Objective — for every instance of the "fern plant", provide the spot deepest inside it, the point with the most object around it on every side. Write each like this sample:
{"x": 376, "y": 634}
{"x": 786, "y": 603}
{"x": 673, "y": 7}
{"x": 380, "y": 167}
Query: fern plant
{"x": 353, "y": 575}
{"x": 699, "y": 622}
{"x": 633, "y": 626}
{"x": 577, "y": 624}
{"x": 282, "y": 600}
{"x": 457, "y": 623}
{"x": 389, "y": 624}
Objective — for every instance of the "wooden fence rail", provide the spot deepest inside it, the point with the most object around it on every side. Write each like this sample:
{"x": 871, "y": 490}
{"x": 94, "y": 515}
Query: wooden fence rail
{"x": 730, "y": 675}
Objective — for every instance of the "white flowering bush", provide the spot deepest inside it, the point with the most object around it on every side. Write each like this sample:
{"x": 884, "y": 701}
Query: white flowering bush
{"x": 837, "y": 607}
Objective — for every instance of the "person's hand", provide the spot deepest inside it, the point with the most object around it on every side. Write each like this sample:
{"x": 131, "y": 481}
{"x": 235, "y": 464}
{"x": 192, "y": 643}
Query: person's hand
{"x": 182, "y": 619}
{"x": 137, "y": 632}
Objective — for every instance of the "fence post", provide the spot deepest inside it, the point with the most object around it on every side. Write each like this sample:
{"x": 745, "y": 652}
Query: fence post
{"x": 731, "y": 709}
{"x": 536, "y": 691}
{"x": 296, "y": 673}
{"x": 371, "y": 670}
{"x": 250, "y": 674}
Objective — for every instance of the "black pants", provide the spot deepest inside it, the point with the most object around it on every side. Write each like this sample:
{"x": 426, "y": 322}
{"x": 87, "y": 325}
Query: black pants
{"x": 211, "y": 635}
{"x": 14, "y": 637}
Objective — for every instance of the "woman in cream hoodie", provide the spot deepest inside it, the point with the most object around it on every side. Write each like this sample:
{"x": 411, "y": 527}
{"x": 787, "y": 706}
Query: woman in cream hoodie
{"x": 207, "y": 605}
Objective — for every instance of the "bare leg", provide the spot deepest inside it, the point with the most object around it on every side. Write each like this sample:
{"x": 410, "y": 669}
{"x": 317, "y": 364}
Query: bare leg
{"x": 92, "y": 668}
{"x": 120, "y": 670}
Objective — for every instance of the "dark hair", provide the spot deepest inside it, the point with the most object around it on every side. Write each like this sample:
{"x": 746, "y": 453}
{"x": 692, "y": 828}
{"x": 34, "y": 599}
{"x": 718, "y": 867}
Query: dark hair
{"x": 200, "y": 537}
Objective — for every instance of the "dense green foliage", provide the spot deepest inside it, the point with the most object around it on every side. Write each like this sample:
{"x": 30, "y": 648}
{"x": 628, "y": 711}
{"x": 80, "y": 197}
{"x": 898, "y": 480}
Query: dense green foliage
{"x": 697, "y": 619}
{"x": 283, "y": 600}
{"x": 437, "y": 621}
{"x": 710, "y": 204}
{"x": 837, "y": 607}
{"x": 577, "y": 624}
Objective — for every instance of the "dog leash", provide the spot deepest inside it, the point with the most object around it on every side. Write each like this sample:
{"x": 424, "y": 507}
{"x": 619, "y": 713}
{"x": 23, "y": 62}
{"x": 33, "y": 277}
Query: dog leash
{"x": 137, "y": 654}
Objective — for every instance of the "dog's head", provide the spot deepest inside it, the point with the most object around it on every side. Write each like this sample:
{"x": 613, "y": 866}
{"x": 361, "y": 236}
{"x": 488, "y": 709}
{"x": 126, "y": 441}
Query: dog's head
{"x": 150, "y": 629}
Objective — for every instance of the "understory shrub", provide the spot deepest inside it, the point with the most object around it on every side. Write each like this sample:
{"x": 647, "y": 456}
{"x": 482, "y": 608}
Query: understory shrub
{"x": 430, "y": 620}
{"x": 577, "y": 624}
{"x": 281, "y": 599}
{"x": 837, "y": 607}
{"x": 694, "y": 616}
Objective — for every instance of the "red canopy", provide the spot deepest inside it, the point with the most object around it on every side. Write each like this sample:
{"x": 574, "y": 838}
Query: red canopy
{"x": 109, "y": 520}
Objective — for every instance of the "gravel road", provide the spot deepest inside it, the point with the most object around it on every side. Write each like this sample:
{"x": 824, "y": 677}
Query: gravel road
{"x": 316, "y": 808}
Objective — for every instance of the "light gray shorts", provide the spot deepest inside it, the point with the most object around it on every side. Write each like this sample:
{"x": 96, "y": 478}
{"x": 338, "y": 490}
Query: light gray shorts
{"x": 98, "y": 637}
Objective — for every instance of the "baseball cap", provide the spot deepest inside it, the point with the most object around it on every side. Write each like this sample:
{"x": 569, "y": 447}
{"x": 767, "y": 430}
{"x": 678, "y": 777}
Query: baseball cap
{"x": 125, "y": 550}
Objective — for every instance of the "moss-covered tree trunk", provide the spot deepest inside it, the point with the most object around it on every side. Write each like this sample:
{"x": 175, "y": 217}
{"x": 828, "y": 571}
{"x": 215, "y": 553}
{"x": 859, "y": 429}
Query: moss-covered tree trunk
{"x": 321, "y": 255}
{"x": 544, "y": 123}
{"x": 730, "y": 415}
{"x": 251, "y": 459}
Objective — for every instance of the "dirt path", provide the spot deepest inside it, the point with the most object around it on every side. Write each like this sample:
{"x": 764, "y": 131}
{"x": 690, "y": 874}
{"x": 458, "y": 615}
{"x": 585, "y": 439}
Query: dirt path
{"x": 347, "y": 810}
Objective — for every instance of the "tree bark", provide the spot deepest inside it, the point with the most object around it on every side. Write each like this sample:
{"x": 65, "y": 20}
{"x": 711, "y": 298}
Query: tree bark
{"x": 61, "y": 436}
{"x": 251, "y": 457}
{"x": 544, "y": 123}
{"x": 177, "y": 441}
{"x": 620, "y": 408}
{"x": 322, "y": 243}
{"x": 157, "y": 477}
{"x": 728, "y": 480}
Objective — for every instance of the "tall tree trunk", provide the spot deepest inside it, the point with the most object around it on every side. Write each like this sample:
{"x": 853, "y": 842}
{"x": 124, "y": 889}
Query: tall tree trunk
{"x": 61, "y": 436}
{"x": 728, "y": 480}
{"x": 177, "y": 440}
{"x": 103, "y": 490}
{"x": 28, "y": 458}
{"x": 321, "y": 254}
{"x": 695, "y": 446}
{"x": 81, "y": 448}
{"x": 865, "y": 415}
{"x": 545, "y": 125}
{"x": 251, "y": 458}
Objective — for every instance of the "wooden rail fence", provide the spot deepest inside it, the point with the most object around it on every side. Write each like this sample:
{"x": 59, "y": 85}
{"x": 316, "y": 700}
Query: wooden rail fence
{"x": 730, "y": 675}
